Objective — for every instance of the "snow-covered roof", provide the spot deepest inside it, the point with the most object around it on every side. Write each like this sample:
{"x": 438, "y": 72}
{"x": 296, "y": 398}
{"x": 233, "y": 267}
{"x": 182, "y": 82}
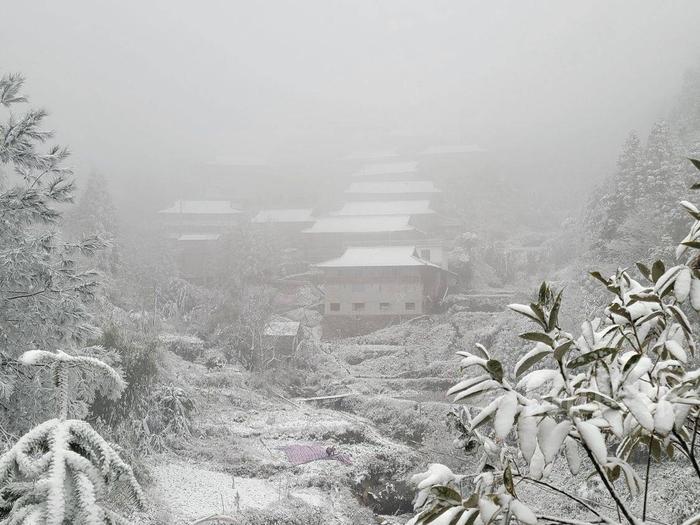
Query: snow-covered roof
{"x": 361, "y": 224}
{"x": 386, "y": 168}
{"x": 373, "y": 155}
{"x": 201, "y": 207}
{"x": 449, "y": 149}
{"x": 377, "y": 256}
{"x": 199, "y": 237}
{"x": 284, "y": 215}
{"x": 282, "y": 328}
{"x": 418, "y": 207}
{"x": 393, "y": 187}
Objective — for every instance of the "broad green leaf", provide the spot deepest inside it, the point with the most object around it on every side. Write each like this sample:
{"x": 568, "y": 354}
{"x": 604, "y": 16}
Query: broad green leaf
{"x": 644, "y": 270}
{"x": 657, "y": 270}
{"x": 495, "y": 368}
{"x": 600, "y": 397}
{"x": 600, "y": 277}
{"x": 631, "y": 362}
{"x": 508, "y": 481}
{"x": 539, "y": 337}
{"x": 681, "y": 318}
{"x": 561, "y": 350}
{"x": 590, "y": 357}
{"x": 467, "y": 383}
{"x": 665, "y": 282}
{"x": 554, "y": 313}
{"x": 481, "y": 388}
{"x": 445, "y": 493}
{"x": 530, "y": 359}
{"x": 527, "y": 311}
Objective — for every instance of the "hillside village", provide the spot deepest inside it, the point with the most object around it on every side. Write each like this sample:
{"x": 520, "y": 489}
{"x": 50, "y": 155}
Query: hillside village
{"x": 380, "y": 256}
{"x": 350, "y": 263}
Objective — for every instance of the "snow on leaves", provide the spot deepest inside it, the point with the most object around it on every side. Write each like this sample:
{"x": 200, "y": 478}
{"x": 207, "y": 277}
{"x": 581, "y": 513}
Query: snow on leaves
{"x": 623, "y": 385}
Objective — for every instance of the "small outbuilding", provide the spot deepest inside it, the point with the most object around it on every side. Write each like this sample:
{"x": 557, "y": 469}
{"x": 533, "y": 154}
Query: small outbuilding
{"x": 283, "y": 336}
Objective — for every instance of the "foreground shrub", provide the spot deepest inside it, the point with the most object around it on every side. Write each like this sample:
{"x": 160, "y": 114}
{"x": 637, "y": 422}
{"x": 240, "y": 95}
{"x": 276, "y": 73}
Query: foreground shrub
{"x": 625, "y": 387}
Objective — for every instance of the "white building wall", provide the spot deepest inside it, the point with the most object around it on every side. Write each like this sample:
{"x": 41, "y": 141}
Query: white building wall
{"x": 378, "y": 297}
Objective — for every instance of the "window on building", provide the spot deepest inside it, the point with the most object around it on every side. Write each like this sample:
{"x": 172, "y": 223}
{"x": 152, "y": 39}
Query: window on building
{"x": 425, "y": 254}
{"x": 410, "y": 307}
{"x": 358, "y": 307}
{"x": 335, "y": 307}
{"x": 384, "y": 307}
{"x": 358, "y": 287}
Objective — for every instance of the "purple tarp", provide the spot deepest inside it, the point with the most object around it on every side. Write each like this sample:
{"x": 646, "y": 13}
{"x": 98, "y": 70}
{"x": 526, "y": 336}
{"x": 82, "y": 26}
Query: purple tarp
{"x": 300, "y": 454}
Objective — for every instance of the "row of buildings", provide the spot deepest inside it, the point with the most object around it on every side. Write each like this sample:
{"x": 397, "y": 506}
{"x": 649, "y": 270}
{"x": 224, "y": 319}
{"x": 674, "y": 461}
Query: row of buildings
{"x": 381, "y": 252}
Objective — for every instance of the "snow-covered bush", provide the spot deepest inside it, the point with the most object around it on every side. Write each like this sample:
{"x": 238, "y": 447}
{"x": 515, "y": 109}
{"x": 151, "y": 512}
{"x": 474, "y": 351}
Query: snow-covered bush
{"x": 63, "y": 471}
{"x": 626, "y": 386}
{"x": 186, "y": 346}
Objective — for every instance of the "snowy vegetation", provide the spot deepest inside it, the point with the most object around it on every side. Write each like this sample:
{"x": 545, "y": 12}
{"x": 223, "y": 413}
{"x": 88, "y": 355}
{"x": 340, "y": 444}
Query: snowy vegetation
{"x": 117, "y": 374}
{"x": 626, "y": 386}
{"x": 61, "y": 471}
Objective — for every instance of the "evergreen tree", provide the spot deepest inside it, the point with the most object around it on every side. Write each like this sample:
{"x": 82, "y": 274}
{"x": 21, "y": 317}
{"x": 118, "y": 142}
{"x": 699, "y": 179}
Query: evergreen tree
{"x": 95, "y": 212}
{"x": 95, "y": 215}
{"x": 63, "y": 471}
{"x": 43, "y": 291}
{"x": 618, "y": 195}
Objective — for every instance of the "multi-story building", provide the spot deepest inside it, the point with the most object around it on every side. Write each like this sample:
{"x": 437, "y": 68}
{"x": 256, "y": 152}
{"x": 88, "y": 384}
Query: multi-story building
{"x": 381, "y": 281}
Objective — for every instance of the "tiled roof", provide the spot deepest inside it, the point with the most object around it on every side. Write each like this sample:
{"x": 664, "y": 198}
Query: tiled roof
{"x": 386, "y": 168}
{"x": 377, "y": 256}
{"x": 363, "y": 224}
{"x": 418, "y": 207}
{"x": 199, "y": 237}
{"x": 284, "y": 215}
{"x": 201, "y": 207}
{"x": 392, "y": 187}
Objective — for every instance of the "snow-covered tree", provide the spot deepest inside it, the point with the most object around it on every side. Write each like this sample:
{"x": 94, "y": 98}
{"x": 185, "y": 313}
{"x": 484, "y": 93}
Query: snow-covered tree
{"x": 43, "y": 291}
{"x": 95, "y": 215}
{"x": 95, "y": 212}
{"x": 62, "y": 471}
{"x": 627, "y": 386}
{"x": 612, "y": 206}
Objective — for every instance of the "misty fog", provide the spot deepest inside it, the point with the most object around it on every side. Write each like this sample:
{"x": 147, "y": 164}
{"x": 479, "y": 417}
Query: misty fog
{"x": 349, "y": 262}
{"x": 148, "y": 92}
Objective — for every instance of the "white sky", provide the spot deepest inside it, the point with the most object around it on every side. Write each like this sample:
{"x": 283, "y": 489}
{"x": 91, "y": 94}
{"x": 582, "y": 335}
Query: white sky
{"x": 140, "y": 89}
